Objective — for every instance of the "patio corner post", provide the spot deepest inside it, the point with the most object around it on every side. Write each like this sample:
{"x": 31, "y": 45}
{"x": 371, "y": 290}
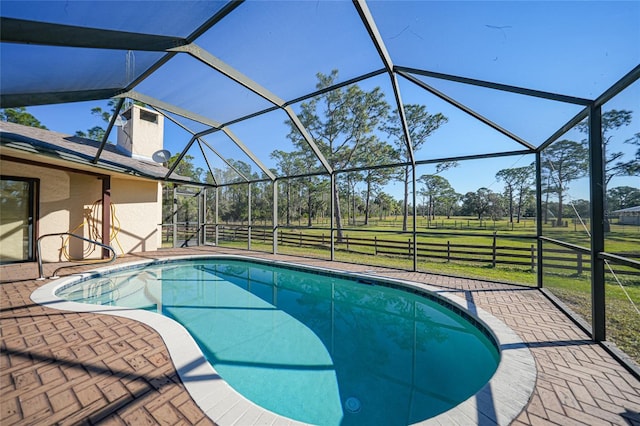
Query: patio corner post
{"x": 539, "y": 247}
{"x": 596, "y": 183}
{"x": 275, "y": 217}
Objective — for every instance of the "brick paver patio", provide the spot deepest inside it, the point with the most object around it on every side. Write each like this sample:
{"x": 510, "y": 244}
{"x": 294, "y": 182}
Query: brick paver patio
{"x": 80, "y": 368}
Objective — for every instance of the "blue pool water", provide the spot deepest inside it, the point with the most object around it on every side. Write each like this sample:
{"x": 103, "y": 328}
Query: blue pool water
{"x": 319, "y": 348}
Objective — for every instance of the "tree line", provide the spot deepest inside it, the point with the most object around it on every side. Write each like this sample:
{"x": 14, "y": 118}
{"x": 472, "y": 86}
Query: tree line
{"x": 357, "y": 130}
{"x": 358, "y": 133}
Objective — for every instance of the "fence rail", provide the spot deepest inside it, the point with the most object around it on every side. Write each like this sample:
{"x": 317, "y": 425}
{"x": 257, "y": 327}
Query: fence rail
{"x": 556, "y": 259}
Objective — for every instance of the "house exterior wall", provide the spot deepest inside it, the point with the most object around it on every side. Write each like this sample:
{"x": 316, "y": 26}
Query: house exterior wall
{"x": 70, "y": 202}
{"x": 629, "y": 219}
{"x": 138, "y": 209}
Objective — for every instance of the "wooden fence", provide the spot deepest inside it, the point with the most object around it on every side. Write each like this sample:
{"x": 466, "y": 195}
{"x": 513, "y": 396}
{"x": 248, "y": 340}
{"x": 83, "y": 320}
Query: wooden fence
{"x": 557, "y": 259}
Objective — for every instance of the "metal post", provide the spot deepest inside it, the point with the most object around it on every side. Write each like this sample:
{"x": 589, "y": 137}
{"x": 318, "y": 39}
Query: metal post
{"x": 216, "y": 217}
{"x": 175, "y": 216}
{"x": 596, "y": 181}
{"x": 249, "y": 216}
{"x": 494, "y": 251}
{"x": 333, "y": 213}
{"x": 106, "y": 215}
{"x": 415, "y": 215}
{"x": 204, "y": 216}
{"x": 539, "y": 217}
{"x": 275, "y": 217}
{"x": 200, "y": 221}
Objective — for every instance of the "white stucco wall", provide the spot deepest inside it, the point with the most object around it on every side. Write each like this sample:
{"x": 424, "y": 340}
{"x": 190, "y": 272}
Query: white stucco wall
{"x": 141, "y": 138}
{"x": 138, "y": 209}
{"x": 66, "y": 203}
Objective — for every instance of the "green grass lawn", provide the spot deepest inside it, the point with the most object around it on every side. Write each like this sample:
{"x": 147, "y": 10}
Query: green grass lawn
{"x": 623, "y": 321}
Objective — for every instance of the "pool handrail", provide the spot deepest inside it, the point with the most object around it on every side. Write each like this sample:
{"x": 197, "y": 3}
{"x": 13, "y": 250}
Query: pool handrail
{"x": 39, "y": 256}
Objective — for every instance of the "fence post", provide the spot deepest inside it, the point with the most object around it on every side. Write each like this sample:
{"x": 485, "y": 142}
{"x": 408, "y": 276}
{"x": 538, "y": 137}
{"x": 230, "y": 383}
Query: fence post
{"x": 300, "y": 241}
{"x": 493, "y": 257}
{"x": 533, "y": 256}
{"x": 347, "y": 238}
{"x": 375, "y": 245}
{"x": 448, "y": 251}
{"x": 410, "y": 246}
{"x": 579, "y": 263}
{"x": 323, "y": 238}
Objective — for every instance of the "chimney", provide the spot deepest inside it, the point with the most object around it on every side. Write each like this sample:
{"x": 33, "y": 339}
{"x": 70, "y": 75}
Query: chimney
{"x": 142, "y": 134}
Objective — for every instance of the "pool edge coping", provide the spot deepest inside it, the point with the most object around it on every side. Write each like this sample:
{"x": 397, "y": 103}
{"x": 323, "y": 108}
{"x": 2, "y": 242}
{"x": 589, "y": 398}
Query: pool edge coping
{"x": 499, "y": 401}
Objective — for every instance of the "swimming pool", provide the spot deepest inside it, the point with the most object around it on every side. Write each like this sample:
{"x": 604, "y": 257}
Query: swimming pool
{"x": 313, "y": 345}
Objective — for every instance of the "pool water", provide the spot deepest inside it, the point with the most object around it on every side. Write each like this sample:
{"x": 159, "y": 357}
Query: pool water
{"x": 317, "y": 348}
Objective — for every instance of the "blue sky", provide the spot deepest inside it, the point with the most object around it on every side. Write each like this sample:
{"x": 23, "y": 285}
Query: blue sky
{"x": 575, "y": 48}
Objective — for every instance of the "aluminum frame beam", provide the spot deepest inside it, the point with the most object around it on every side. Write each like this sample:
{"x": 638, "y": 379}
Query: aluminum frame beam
{"x": 235, "y": 75}
{"x": 376, "y": 39}
{"x": 626, "y": 81}
{"x": 206, "y": 160}
{"x": 23, "y": 31}
{"x": 224, "y": 11}
{"x": 374, "y": 34}
{"x": 14, "y": 30}
{"x": 498, "y": 86}
{"x": 248, "y": 152}
{"x": 564, "y": 129}
{"x": 230, "y": 135}
{"x": 186, "y": 129}
{"x": 467, "y": 110}
{"x": 307, "y": 137}
{"x": 114, "y": 116}
{"x": 226, "y": 161}
{"x": 157, "y": 103}
{"x": 213, "y": 62}
{"x": 14, "y": 100}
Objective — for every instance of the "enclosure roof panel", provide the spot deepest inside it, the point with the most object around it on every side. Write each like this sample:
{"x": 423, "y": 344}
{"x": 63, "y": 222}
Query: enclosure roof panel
{"x": 227, "y": 63}
{"x": 170, "y": 18}
{"x": 573, "y": 48}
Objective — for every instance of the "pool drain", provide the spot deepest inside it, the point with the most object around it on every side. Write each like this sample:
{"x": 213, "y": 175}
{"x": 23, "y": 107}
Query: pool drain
{"x": 352, "y": 404}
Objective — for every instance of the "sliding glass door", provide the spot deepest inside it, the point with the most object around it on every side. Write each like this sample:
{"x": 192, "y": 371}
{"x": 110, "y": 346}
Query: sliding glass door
{"x": 17, "y": 219}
